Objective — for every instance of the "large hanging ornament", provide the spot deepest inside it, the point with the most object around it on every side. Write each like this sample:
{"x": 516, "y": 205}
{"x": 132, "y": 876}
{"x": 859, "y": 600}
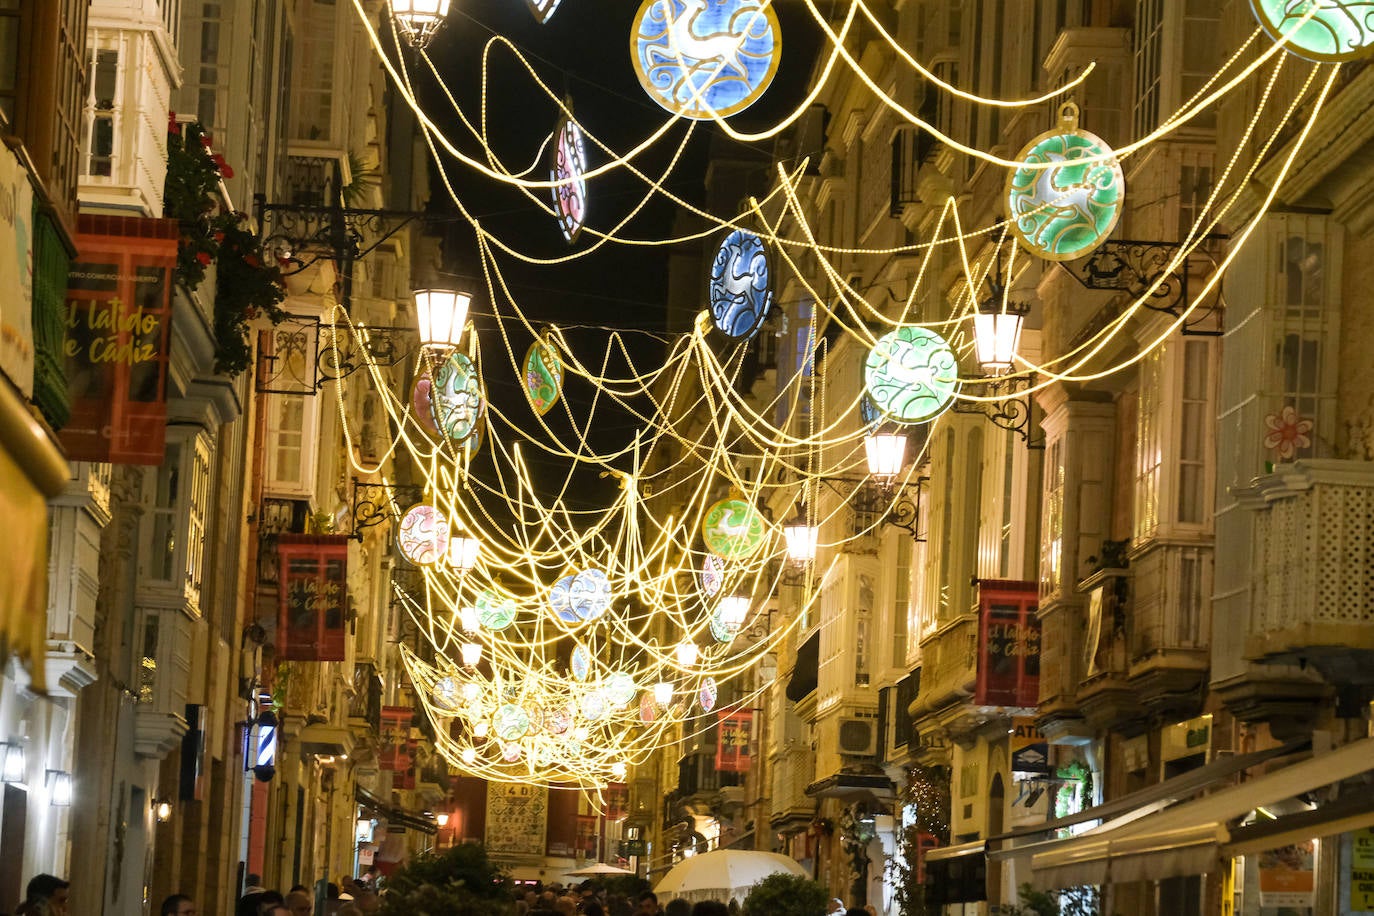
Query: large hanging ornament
{"x": 511, "y": 723}
{"x": 911, "y": 374}
{"x": 739, "y": 294}
{"x": 569, "y": 167}
{"x": 1336, "y": 30}
{"x": 721, "y": 631}
{"x": 869, "y": 414}
{"x": 543, "y": 10}
{"x": 457, "y": 395}
{"x": 712, "y": 574}
{"x": 423, "y": 535}
{"x": 620, "y": 688}
{"x": 708, "y": 693}
{"x": 543, "y": 376}
{"x": 495, "y": 613}
{"x": 1065, "y": 210}
{"x": 560, "y": 600}
{"x": 581, "y": 663}
{"x": 422, "y": 403}
{"x": 732, "y": 529}
{"x": 700, "y": 58}
{"x": 590, "y": 594}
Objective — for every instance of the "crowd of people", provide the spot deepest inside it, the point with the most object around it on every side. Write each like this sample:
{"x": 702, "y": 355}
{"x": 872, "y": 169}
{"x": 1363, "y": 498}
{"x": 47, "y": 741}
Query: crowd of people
{"x": 46, "y": 895}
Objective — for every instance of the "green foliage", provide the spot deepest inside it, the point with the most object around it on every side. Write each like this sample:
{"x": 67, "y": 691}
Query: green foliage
{"x": 924, "y": 807}
{"x": 1079, "y": 901}
{"x": 245, "y": 286}
{"x": 460, "y": 881}
{"x": 786, "y": 895}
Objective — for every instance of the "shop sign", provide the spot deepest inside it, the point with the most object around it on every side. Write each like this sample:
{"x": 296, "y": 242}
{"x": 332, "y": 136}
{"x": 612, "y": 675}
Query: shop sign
{"x": 1287, "y": 875}
{"x": 1008, "y": 645}
{"x": 1362, "y": 870}
{"x": 517, "y": 819}
{"x": 313, "y": 597}
{"x": 118, "y": 341}
{"x": 16, "y": 273}
{"x": 734, "y": 741}
{"x": 1030, "y": 751}
{"x": 1185, "y": 739}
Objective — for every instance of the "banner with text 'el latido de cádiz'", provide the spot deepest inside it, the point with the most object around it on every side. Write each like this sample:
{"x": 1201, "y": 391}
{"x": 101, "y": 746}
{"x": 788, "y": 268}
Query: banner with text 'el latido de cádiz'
{"x": 118, "y": 340}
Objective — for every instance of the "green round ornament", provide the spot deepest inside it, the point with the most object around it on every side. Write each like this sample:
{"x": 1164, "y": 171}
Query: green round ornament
{"x": 732, "y": 529}
{"x": 911, "y": 374}
{"x": 1064, "y": 211}
{"x": 1336, "y": 30}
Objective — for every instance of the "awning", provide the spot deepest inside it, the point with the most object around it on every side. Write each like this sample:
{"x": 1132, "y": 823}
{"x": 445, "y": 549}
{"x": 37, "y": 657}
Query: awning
{"x": 806, "y": 672}
{"x": 1195, "y": 837}
{"x": 1149, "y": 799}
{"x": 394, "y": 815}
{"x": 956, "y": 874}
{"x": 31, "y": 470}
{"x": 852, "y": 786}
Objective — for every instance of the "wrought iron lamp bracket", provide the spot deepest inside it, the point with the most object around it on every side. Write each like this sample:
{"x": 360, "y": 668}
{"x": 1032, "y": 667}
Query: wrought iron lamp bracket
{"x": 372, "y": 502}
{"x": 306, "y": 353}
{"x": 1010, "y": 413}
{"x": 898, "y": 502}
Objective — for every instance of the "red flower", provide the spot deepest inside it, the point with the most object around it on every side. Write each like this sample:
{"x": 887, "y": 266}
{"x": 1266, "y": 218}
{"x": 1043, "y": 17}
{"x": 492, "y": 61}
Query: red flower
{"x": 219, "y": 236}
{"x": 205, "y": 140}
{"x": 252, "y": 260}
{"x": 226, "y": 172}
{"x": 203, "y": 257}
{"x": 173, "y": 126}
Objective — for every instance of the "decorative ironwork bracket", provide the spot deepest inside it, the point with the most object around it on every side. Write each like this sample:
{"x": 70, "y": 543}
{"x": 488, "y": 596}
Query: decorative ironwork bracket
{"x": 302, "y": 234}
{"x": 373, "y": 502}
{"x": 1012, "y": 414}
{"x": 898, "y": 504}
{"x": 1136, "y": 267}
{"x": 306, "y": 353}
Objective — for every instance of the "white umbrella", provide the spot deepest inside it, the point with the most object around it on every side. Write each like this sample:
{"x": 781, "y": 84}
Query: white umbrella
{"x": 600, "y": 868}
{"x": 724, "y": 874}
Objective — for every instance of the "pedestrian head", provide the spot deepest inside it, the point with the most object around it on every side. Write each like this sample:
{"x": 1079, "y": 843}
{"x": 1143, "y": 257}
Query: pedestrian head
{"x": 178, "y": 905}
{"x": 299, "y": 903}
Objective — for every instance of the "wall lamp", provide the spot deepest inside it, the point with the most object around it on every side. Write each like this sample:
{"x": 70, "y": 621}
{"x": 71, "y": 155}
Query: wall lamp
{"x": 59, "y": 784}
{"x": 877, "y": 498}
{"x": 418, "y": 20}
{"x": 14, "y": 766}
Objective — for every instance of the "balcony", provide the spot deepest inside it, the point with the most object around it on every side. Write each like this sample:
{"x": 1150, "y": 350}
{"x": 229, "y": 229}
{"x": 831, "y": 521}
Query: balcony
{"x": 793, "y": 770}
{"x": 1311, "y": 593}
{"x": 1105, "y": 696}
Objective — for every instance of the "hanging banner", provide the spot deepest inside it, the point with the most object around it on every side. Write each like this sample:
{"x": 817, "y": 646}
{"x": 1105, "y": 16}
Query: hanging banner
{"x": 617, "y": 800}
{"x": 1288, "y": 876}
{"x": 587, "y": 836}
{"x": 517, "y": 818}
{"x": 119, "y": 314}
{"x": 313, "y": 590}
{"x": 734, "y": 737}
{"x": 1008, "y": 645}
{"x": 16, "y": 273}
{"x": 1362, "y": 870}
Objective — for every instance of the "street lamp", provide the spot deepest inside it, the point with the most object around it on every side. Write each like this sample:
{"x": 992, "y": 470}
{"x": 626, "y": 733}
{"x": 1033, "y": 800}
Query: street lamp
{"x": 463, "y": 551}
{"x": 886, "y": 452}
{"x": 997, "y": 334}
{"x": 59, "y": 788}
{"x": 687, "y": 653}
{"x": 734, "y": 609}
{"x": 14, "y": 767}
{"x": 419, "y": 19}
{"x": 442, "y": 315}
{"x": 471, "y": 652}
{"x": 801, "y": 539}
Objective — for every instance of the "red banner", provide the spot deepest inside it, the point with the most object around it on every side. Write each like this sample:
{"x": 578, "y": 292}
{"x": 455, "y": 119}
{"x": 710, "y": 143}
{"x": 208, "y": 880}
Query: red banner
{"x": 617, "y": 800}
{"x": 1008, "y": 644}
{"x": 734, "y": 737}
{"x": 118, "y": 341}
{"x": 313, "y": 589}
{"x": 587, "y": 835}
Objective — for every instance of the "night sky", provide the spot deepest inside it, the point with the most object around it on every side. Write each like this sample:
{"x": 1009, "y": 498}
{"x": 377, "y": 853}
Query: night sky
{"x": 582, "y": 52}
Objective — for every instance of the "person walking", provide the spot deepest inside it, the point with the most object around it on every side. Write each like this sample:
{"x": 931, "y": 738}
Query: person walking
{"x": 178, "y": 905}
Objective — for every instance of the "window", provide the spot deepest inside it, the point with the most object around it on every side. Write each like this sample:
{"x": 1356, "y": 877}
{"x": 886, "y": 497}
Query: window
{"x": 209, "y": 80}
{"x": 9, "y": 57}
{"x": 1195, "y": 184}
{"x": 1302, "y": 335}
{"x": 292, "y": 432}
{"x": 147, "y": 661}
{"x": 175, "y": 506}
{"x": 102, "y": 114}
{"x": 1149, "y": 445}
{"x": 1149, "y": 47}
{"x": 901, "y": 599}
{"x": 1193, "y": 507}
{"x": 312, "y": 111}
{"x": 1052, "y": 543}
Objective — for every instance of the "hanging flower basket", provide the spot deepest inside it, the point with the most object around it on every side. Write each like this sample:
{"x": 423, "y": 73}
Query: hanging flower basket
{"x": 246, "y": 287}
